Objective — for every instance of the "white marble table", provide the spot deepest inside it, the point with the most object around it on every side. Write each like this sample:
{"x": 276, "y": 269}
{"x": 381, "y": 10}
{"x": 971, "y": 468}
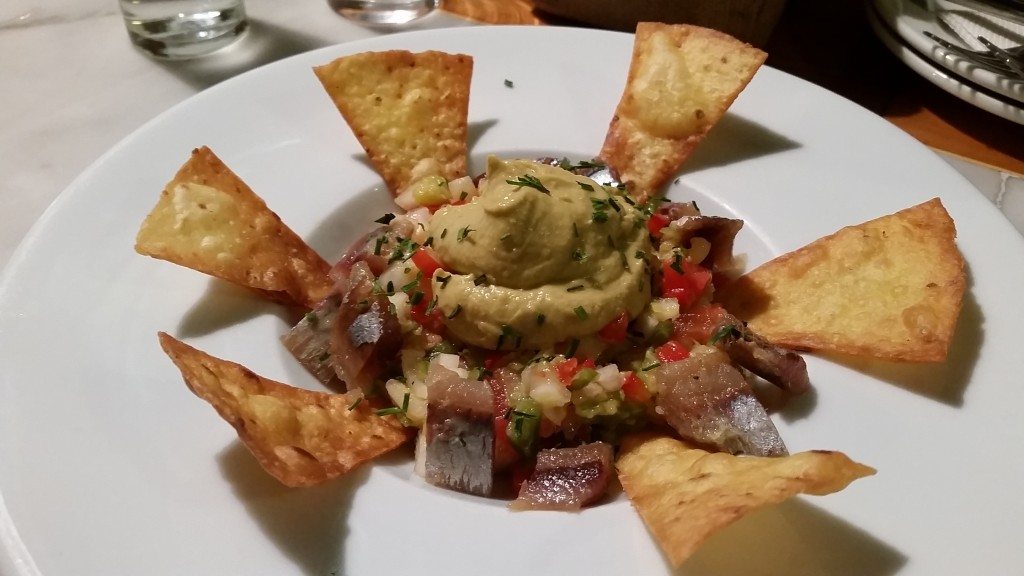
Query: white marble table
{"x": 71, "y": 86}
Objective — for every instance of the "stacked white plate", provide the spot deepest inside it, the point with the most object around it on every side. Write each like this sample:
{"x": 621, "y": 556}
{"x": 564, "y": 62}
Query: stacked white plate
{"x": 901, "y": 25}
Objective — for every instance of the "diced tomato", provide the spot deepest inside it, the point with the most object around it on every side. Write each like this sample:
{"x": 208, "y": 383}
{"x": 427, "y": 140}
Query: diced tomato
{"x": 496, "y": 360}
{"x": 687, "y": 287}
{"x": 697, "y": 325}
{"x": 505, "y": 454}
{"x": 567, "y": 369}
{"x": 432, "y": 321}
{"x": 633, "y": 388}
{"x": 655, "y": 223}
{"x": 671, "y": 351}
{"x": 615, "y": 331}
{"x": 520, "y": 474}
{"x": 425, "y": 261}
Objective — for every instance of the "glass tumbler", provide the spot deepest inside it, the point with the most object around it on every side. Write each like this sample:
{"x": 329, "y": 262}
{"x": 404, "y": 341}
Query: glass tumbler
{"x": 383, "y": 12}
{"x": 179, "y": 29}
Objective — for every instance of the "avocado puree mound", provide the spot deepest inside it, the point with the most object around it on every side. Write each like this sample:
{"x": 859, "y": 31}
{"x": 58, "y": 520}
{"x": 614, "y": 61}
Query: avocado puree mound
{"x": 526, "y": 267}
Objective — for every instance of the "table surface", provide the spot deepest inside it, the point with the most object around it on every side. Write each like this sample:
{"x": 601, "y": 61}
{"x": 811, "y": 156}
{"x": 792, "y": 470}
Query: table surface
{"x": 73, "y": 86}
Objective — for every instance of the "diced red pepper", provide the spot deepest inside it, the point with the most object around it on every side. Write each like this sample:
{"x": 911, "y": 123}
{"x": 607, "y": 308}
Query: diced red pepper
{"x": 432, "y": 321}
{"x": 425, "y": 261}
{"x": 615, "y": 331}
{"x": 687, "y": 287}
{"x": 655, "y": 223}
{"x": 567, "y": 369}
{"x": 633, "y": 388}
{"x": 671, "y": 351}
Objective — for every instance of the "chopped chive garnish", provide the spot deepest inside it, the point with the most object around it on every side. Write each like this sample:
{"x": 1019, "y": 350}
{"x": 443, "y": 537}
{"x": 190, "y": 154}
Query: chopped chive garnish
{"x": 529, "y": 181}
{"x": 323, "y": 356}
{"x": 579, "y": 255}
{"x": 590, "y": 164}
{"x": 390, "y": 288}
{"x": 455, "y": 312}
{"x": 385, "y": 219}
{"x": 573, "y": 345}
{"x": 677, "y": 261}
{"x": 615, "y": 205}
{"x": 411, "y": 285}
{"x": 380, "y": 242}
{"x": 600, "y": 216}
{"x": 639, "y": 254}
{"x": 429, "y": 241}
{"x": 464, "y": 232}
{"x": 481, "y": 279}
{"x": 575, "y": 231}
{"x": 444, "y": 280}
{"x": 431, "y": 305}
{"x": 509, "y": 84}
{"x": 650, "y": 367}
{"x": 723, "y": 332}
{"x": 505, "y": 237}
{"x": 416, "y": 297}
{"x": 389, "y": 411}
{"x": 625, "y": 262}
{"x": 311, "y": 319}
{"x": 353, "y": 405}
{"x": 575, "y": 288}
{"x": 405, "y": 402}
{"x": 462, "y": 197}
{"x": 611, "y": 243}
{"x": 581, "y": 312}
{"x": 444, "y": 233}
{"x": 585, "y": 186}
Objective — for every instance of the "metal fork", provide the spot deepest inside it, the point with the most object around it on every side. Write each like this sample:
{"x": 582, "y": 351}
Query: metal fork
{"x": 1007, "y": 61}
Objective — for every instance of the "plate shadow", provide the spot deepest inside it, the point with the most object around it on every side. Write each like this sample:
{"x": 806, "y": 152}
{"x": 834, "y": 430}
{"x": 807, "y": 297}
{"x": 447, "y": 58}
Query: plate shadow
{"x": 804, "y": 540}
{"x": 308, "y": 525}
{"x": 223, "y": 305}
{"x": 735, "y": 139}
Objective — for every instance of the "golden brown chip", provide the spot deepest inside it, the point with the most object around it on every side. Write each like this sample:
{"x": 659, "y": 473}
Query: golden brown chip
{"x": 681, "y": 81}
{"x": 300, "y": 437}
{"x": 685, "y": 494}
{"x": 404, "y": 108}
{"x": 890, "y": 288}
{"x": 207, "y": 219}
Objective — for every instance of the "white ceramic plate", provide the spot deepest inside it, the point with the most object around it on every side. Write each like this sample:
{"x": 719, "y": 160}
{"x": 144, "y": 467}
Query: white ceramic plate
{"x": 942, "y": 77}
{"x": 909, "y": 19}
{"x": 108, "y": 465}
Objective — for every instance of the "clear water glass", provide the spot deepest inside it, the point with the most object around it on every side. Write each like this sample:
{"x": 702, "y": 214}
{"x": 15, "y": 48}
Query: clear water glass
{"x": 383, "y": 12}
{"x": 179, "y": 29}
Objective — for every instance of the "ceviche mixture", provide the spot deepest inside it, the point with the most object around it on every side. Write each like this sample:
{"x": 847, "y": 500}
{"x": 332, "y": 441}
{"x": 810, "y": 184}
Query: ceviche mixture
{"x": 547, "y": 313}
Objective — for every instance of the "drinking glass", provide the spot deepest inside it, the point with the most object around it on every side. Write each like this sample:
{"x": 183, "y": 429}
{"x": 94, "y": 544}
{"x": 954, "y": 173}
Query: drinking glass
{"x": 179, "y": 29}
{"x": 383, "y": 12}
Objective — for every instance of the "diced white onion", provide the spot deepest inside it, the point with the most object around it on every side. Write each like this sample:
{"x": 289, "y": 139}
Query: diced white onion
{"x": 609, "y": 378}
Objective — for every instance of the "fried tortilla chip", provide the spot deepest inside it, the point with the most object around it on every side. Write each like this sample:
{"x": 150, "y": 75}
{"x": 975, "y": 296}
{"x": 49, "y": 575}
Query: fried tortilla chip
{"x": 207, "y": 219}
{"x": 681, "y": 81}
{"x": 404, "y": 108}
{"x": 300, "y": 437}
{"x": 685, "y": 494}
{"x": 890, "y": 288}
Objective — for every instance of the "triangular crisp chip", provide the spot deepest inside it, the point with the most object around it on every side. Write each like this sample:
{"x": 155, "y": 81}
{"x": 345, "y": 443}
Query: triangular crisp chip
{"x": 404, "y": 108}
{"x": 300, "y": 437}
{"x": 681, "y": 81}
{"x": 890, "y": 288}
{"x": 685, "y": 494}
{"x": 207, "y": 219}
